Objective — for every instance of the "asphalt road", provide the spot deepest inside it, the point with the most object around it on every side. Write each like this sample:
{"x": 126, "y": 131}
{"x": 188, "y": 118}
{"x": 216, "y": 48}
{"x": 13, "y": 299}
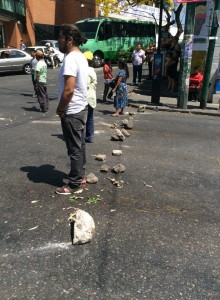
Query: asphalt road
{"x": 156, "y": 238}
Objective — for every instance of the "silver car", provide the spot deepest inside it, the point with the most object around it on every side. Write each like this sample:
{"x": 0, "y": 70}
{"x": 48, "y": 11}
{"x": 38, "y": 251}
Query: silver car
{"x": 14, "y": 60}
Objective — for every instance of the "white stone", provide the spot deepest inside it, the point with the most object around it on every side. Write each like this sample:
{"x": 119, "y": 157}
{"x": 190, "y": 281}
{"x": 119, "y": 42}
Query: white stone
{"x": 84, "y": 226}
{"x": 117, "y": 152}
{"x": 100, "y": 157}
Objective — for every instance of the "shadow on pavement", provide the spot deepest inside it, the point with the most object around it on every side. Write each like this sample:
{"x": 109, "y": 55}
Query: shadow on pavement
{"x": 34, "y": 108}
{"x": 59, "y": 136}
{"x": 107, "y": 112}
{"x": 44, "y": 174}
{"x": 31, "y": 95}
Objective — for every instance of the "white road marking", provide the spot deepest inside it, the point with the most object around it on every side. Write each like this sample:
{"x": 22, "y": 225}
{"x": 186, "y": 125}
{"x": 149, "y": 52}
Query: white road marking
{"x": 45, "y": 122}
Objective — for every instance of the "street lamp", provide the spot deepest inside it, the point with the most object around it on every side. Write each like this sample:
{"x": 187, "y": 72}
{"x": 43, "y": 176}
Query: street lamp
{"x": 81, "y": 7}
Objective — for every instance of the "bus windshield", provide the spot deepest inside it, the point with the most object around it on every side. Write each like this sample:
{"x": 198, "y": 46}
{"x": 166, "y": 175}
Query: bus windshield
{"x": 88, "y": 29}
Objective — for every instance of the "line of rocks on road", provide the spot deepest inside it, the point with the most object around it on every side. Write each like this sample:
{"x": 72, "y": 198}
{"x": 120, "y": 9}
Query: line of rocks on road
{"x": 119, "y": 135}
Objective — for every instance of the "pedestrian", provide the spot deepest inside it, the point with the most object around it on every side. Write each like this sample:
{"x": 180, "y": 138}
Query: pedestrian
{"x": 72, "y": 107}
{"x": 175, "y": 46}
{"x": 91, "y": 98}
{"x": 49, "y": 53}
{"x": 121, "y": 98}
{"x": 195, "y": 84}
{"x": 172, "y": 72}
{"x": 33, "y": 65}
{"x": 149, "y": 53}
{"x": 138, "y": 57}
{"x": 108, "y": 77}
{"x": 40, "y": 77}
{"x": 22, "y": 45}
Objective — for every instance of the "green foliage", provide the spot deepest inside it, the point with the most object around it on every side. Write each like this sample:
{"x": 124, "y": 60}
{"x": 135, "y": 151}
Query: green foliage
{"x": 198, "y": 59}
{"x": 94, "y": 200}
{"x": 74, "y": 198}
{"x": 126, "y": 55}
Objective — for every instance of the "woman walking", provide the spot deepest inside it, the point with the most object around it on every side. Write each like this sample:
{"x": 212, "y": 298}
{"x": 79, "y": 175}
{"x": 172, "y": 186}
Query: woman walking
{"x": 121, "y": 98}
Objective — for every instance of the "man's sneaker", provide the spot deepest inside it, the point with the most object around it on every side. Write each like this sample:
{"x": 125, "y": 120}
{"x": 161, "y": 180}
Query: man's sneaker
{"x": 66, "y": 190}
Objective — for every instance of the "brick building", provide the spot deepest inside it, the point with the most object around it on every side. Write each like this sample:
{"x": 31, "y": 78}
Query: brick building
{"x": 34, "y": 20}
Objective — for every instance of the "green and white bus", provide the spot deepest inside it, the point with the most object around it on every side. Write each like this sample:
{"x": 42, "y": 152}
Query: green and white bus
{"x": 107, "y": 36}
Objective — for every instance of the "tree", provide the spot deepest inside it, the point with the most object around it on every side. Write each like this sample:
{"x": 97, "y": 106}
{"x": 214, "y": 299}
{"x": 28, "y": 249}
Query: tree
{"x": 171, "y": 9}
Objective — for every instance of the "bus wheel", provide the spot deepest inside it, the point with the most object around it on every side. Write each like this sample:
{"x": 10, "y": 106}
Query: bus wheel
{"x": 97, "y": 61}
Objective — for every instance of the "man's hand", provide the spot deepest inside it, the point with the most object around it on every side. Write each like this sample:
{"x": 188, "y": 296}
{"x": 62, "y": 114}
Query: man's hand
{"x": 60, "y": 113}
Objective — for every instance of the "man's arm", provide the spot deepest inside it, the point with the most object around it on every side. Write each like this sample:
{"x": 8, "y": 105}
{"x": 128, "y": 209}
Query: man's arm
{"x": 67, "y": 94}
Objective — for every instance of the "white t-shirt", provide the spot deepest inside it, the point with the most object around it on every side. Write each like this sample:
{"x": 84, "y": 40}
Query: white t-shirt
{"x": 92, "y": 82}
{"x": 138, "y": 57}
{"x": 75, "y": 64}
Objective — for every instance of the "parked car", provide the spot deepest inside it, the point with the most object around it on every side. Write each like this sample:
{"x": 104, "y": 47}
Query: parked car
{"x": 14, "y": 60}
{"x": 59, "y": 54}
{"x": 53, "y": 43}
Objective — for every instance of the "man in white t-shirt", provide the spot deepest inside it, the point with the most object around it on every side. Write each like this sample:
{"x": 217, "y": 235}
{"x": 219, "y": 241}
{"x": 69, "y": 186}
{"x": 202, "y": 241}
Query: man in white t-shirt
{"x": 72, "y": 107}
{"x": 138, "y": 57}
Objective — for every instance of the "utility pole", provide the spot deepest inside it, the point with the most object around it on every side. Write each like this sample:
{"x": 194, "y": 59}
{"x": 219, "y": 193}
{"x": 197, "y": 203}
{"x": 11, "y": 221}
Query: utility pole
{"x": 158, "y": 64}
{"x": 209, "y": 57}
{"x": 186, "y": 56}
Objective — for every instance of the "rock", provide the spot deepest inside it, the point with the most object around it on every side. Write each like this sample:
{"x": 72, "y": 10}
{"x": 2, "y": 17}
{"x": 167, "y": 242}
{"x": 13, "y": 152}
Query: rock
{"x": 120, "y": 134}
{"x": 104, "y": 168}
{"x": 131, "y": 113}
{"x": 114, "y": 137}
{"x": 91, "y": 178}
{"x": 82, "y": 227}
{"x": 128, "y": 123}
{"x": 116, "y": 152}
{"x": 113, "y": 126}
{"x": 100, "y": 157}
{"x": 125, "y": 132}
{"x": 141, "y": 108}
{"x": 118, "y": 183}
{"x": 119, "y": 168}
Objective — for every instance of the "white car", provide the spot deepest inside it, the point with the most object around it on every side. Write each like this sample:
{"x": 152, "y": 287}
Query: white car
{"x": 53, "y": 43}
{"x": 59, "y": 54}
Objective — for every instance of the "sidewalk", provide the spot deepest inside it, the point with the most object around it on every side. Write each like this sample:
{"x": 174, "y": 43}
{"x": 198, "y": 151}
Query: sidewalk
{"x": 141, "y": 95}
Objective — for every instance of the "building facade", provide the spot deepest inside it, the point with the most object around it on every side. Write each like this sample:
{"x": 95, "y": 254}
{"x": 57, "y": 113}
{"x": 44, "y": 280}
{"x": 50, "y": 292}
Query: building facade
{"x": 34, "y": 20}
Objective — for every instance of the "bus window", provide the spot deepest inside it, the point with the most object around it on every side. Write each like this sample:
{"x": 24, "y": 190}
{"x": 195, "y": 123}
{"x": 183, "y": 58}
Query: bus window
{"x": 129, "y": 29}
{"x": 108, "y": 30}
{"x": 141, "y": 30}
{"x": 123, "y": 31}
{"x": 101, "y": 35}
{"x": 151, "y": 30}
{"x": 116, "y": 29}
{"x": 88, "y": 29}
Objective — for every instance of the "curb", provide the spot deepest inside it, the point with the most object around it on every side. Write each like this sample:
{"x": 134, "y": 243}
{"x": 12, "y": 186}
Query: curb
{"x": 167, "y": 109}
{"x": 196, "y": 111}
